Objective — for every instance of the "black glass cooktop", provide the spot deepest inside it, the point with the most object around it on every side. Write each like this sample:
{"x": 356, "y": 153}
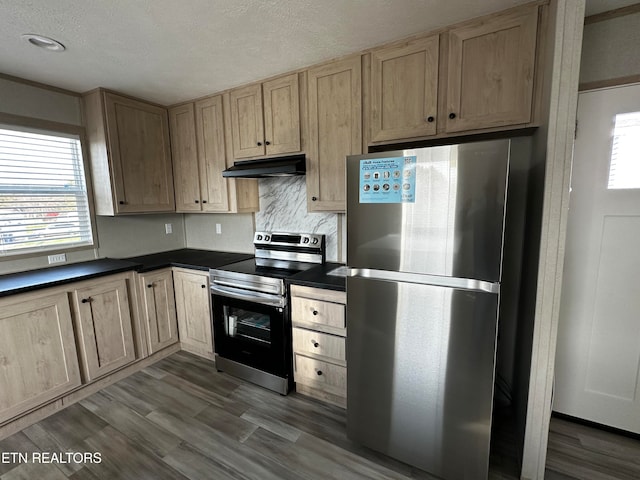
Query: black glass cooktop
{"x": 249, "y": 267}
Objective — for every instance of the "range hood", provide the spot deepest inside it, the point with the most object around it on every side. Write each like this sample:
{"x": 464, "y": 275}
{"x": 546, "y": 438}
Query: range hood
{"x": 268, "y": 167}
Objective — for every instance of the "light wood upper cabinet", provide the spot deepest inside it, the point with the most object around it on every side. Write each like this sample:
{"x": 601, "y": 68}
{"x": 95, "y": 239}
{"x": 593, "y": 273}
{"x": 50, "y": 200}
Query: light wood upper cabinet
{"x": 130, "y": 154}
{"x": 199, "y": 151}
{"x": 491, "y": 71}
{"x": 265, "y": 118}
{"x": 473, "y": 77}
{"x": 335, "y": 130}
{"x": 247, "y": 124}
{"x": 404, "y": 90}
{"x": 212, "y": 154}
{"x": 38, "y": 360}
{"x": 158, "y": 309}
{"x": 182, "y": 124}
{"x": 193, "y": 307}
{"x": 281, "y": 115}
{"x": 104, "y": 324}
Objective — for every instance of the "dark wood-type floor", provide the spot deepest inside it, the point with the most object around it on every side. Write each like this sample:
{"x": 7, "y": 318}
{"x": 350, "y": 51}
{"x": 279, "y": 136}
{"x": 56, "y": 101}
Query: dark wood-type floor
{"x": 181, "y": 419}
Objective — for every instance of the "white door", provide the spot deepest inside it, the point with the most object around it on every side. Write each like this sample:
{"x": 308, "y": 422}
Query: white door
{"x": 598, "y": 352}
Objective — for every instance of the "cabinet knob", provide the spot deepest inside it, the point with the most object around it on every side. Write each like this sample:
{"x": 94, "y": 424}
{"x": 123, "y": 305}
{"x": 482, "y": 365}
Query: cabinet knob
{"x": 197, "y": 201}
{"x": 314, "y": 199}
{"x": 452, "y": 115}
{"x": 150, "y": 285}
{"x": 315, "y": 344}
{"x": 204, "y": 201}
{"x": 319, "y": 372}
{"x": 266, "y": 142}
{"x": 122, "y": 202}
{"x": 86, "y": 300}
{"x": 430, "y": 119}
{"x": 203, "y": 286}
{"x": 259, "y": 144}
{"x": 315, "y": 312}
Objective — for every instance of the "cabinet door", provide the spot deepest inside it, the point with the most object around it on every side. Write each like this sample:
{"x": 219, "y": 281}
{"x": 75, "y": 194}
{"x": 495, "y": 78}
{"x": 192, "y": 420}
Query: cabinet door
{"x": 159, "y": 309}
{"x": 282, "y": 115}
{"x": 193, "y": 306}
{"x": 38, "y": 360}
{"x": 247, "y": 128}
{"x": 141, "y": 158}
{"x": 404, "y": 90}
{"x": 104, "y": 326}
{"x": 490, "y": 74}
{"x": 212, "y": 154}
{"x": 335, "y": 130}
{"x": 185, "y": 158}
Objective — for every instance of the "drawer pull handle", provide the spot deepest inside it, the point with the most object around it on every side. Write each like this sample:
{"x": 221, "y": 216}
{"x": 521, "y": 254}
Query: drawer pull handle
{"x": 203, "y": 286}
{"x": 86, "y": 300}
{"x": 150, "y": 285}
{"x": 315, "y": 312}
{"x": 319, "y": 372}
{"x": 315, "y": 344}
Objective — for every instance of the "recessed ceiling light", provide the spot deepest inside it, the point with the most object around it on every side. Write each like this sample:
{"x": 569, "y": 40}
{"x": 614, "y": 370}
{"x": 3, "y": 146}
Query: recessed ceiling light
{"x": 43, "y": 42}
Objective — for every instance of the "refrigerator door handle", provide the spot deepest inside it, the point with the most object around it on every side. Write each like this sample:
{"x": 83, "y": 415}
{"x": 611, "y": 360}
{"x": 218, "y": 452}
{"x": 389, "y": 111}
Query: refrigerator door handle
{"x": 436, "y": 280}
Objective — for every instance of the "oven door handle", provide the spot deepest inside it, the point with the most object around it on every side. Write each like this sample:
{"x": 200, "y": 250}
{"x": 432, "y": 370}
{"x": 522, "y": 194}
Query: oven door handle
{"x": 256, "y": 297}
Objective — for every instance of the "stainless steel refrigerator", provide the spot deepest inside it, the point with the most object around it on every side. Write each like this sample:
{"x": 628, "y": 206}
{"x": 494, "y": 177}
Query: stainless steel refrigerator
{"x": 424, "y": 251}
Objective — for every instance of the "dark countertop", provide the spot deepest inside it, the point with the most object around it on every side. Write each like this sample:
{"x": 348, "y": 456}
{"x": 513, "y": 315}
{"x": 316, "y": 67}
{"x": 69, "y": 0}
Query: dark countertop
{"x": 48, "y": 277}
{"x": 317, "y": 277}
{"x": 188, "y": 258}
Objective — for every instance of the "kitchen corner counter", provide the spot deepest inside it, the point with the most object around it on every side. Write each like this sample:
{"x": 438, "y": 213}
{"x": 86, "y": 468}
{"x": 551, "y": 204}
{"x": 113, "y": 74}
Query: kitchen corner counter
{"x": 317, "y": 277}
{"x": 20, "y": 282}
{"x": 188, "y": 258}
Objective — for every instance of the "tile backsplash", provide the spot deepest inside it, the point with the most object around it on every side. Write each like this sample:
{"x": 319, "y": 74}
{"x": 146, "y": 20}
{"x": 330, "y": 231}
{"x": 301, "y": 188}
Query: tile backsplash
{"x": 283, "y": 208}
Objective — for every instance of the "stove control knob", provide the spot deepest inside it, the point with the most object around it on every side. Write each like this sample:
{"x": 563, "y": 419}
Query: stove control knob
{"x": 315, "y": 241}
{"x": 305, "y": 240}
{"x": 258, "y": 237}
{"x": 267, "y": 238}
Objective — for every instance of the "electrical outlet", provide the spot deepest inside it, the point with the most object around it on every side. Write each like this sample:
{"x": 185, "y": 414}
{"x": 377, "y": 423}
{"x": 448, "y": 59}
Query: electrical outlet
{"x": 168, "y": 228}
{"x": 218, "y": 228}
{"x": 59, "y": 258}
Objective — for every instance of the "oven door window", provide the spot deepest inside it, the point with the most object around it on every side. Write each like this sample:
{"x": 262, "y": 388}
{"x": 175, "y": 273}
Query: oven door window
{"x": 250, "y": 333}
{"x": 246, "y": 324}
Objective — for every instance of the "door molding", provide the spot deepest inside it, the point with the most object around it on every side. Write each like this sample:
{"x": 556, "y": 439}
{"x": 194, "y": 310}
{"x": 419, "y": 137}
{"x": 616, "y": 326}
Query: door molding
{"x": 567, "y": 18}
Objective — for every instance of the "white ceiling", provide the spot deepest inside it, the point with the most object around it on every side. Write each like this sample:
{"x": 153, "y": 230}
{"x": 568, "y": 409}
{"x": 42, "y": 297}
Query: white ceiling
{"x": 168, "y": 51}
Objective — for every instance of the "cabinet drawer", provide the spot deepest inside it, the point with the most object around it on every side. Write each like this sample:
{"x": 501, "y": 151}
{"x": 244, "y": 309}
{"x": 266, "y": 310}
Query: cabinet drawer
{"x": 321, "y": 375}
{"x": 316, "y": 312}
{"x": 316, "y": 343}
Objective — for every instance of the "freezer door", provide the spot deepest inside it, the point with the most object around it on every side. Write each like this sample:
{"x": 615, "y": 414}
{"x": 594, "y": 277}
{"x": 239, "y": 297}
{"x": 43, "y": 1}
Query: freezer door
{"x": 454, "y": 226}
{"x": 421, "y": 371}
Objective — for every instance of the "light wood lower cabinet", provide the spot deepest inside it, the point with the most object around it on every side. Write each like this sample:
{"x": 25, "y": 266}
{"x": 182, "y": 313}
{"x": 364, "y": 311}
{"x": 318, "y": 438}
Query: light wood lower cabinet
{"x": 104, "y": 324}
{"x": 319, "y": 343}
{"x": 38, "y": 359}
{"x": 158, "y": 309}
{"x": 193, "y": 308}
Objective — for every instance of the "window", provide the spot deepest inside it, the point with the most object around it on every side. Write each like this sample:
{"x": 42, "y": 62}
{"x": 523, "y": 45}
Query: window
{"x": 624, "y": 170}
{"x": 43, "y": 195}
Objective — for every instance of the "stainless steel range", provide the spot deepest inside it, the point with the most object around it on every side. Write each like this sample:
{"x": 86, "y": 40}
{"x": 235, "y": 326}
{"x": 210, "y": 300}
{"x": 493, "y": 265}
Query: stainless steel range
{"x": 252, "y": 328}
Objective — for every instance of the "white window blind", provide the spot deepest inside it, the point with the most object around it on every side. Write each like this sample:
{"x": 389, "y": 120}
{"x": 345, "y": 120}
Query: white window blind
{"x": 43, "y": 194}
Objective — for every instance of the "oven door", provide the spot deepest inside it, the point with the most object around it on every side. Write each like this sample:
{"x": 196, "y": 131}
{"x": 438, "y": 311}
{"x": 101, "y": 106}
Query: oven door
{"x": 251, "y": 333}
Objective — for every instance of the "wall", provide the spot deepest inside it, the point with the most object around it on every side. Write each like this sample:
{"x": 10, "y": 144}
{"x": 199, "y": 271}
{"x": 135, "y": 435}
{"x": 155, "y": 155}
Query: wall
{"x": 134, "y": 235}
{"x": 116, "y": 237}
{"x": 237, "y": 232}
{"x": 610, "y": 49}
{"x": 283, "y": 208}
